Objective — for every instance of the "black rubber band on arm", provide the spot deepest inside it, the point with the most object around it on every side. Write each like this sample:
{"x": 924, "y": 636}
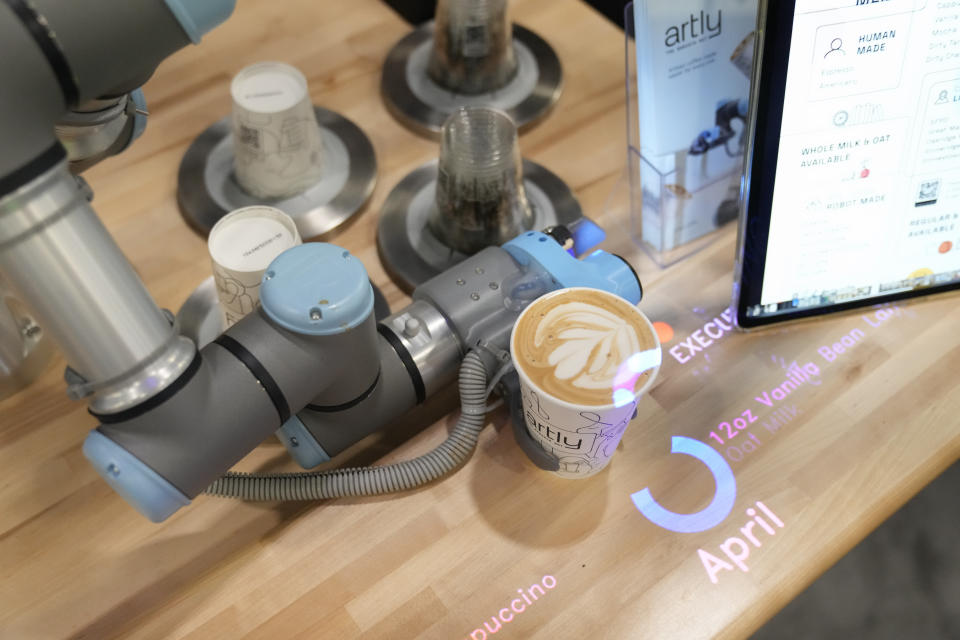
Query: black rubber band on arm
{"x": 260, "y": 373}
{"x": 153, "y": 401}
{"x": 346, "y": 405}
{"x": 38, "y": 28}
{"x": 407, "y": 360}
{"x": 33, "y": 169}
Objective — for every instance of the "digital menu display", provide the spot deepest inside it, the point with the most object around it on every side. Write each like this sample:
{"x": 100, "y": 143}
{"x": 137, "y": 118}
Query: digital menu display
{"x": 866, "y": 195}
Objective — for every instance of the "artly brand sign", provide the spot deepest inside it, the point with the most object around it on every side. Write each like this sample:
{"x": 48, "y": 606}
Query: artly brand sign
{"x": 695, "y": 28}
{"x": 684, "y": 49}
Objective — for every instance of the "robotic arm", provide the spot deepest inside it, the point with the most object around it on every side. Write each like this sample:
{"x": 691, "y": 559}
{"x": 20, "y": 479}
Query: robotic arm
{"x": 312, "y": 362}
{"x": 315, "y": 350}
{"x": 74, "y": 67}
{"x": 74, "y": 63}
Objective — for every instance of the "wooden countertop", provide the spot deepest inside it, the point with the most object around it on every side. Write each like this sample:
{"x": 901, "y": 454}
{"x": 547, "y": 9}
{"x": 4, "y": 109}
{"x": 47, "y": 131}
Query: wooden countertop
{"x": 830, "y": 459}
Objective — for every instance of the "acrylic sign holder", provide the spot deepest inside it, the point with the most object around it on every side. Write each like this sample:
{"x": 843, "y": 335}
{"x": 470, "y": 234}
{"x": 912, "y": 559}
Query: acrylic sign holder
{"x": 672, "y": 216}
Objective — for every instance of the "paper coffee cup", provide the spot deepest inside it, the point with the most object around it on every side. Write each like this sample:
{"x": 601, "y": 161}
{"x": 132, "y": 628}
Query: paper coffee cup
{"x": 278, "y": 148}
{"x": 584, "y": 357}
{"x": 242, "y": 245}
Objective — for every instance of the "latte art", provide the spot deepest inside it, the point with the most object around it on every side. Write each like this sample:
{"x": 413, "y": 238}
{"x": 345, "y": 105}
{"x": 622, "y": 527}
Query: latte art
{"x": 585, "y": 346}
{"x": 591, "y": 347}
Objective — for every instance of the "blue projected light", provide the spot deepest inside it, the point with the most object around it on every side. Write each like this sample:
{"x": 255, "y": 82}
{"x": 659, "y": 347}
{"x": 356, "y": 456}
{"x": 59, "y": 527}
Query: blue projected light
{"x": 645, "y": 360}
{"x": 586, "y": 235}
{"x": 718, "y": 509}
{"x": 623, "y": 397}
{"x": 630, "y": 371}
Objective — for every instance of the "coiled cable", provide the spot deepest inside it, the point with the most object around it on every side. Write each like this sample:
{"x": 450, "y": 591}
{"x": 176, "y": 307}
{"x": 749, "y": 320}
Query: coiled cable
{"x": 376, "y": 480}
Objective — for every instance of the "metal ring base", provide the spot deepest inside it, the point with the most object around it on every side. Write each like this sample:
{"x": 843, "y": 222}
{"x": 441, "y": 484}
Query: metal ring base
{"x": 419, "y": 103}
{"x": 412, "y": 255}
{"x": 207, "y": 189}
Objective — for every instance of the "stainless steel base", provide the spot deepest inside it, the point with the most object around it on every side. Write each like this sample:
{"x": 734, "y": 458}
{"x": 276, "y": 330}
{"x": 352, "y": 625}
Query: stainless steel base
{"x": 412, "y": 254}
{"x": 419, "y": 103}
{"x": 200, "y": 318}
{"x": 207, "y": 189}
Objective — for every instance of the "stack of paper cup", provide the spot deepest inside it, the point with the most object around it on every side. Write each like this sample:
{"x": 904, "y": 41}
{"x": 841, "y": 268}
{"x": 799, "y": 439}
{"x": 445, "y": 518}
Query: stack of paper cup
{"x": 278, "y": 148}
{"x": 242, "y": 245}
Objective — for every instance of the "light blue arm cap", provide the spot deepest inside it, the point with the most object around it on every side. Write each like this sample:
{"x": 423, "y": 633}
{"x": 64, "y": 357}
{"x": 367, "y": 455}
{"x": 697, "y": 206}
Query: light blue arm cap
{"x": 300, "y": 444}
{"x": 197, "y": 17}
{"x": 599, "y": 270}
{"x": 316, "y": 289}
{"x": 151, "y": 494}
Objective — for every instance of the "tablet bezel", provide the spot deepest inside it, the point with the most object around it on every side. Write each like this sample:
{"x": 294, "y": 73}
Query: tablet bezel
{"x": 769, "y": 87}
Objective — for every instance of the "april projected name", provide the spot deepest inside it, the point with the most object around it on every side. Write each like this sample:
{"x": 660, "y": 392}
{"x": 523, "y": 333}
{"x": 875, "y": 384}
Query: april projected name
{"x": 867, "y": 196}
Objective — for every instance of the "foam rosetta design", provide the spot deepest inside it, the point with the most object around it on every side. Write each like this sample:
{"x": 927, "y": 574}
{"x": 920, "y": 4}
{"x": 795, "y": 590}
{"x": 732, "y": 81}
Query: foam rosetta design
{"x": 591, "y": 344}
{"x": 585, "y": 347}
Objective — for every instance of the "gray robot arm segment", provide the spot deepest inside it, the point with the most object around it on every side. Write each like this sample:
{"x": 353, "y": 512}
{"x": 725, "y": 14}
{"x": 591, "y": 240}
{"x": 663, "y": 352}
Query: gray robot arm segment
{"x": 248, "y": 382}
{"x": 250, "y": 379}
{"x": 377, "y": 480}
{"x": 174, "y": 421}
{"x": 59, "y": 55}
{"x": 32, "y": 101}
{"x": 66, "y": 267}
{"x": 240, "y": 389}
{"x": 475, "y": 302}
{"x": 337, "y": 428}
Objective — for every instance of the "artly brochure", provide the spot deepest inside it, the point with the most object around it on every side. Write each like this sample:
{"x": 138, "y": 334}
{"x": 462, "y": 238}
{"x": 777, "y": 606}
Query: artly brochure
{"x": 694, "y": 60}
{"x": 687, "y": 67}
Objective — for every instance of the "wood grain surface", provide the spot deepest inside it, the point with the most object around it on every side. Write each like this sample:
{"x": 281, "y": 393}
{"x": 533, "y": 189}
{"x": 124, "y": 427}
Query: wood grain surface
{"x": 832, "y": 459}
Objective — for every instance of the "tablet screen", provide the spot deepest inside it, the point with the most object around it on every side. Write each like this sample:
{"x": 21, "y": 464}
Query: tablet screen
{"x": 856, "y": 198}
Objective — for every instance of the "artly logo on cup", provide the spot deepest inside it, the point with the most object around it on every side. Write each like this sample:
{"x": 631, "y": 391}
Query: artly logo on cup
{"x": 582, "y": 440}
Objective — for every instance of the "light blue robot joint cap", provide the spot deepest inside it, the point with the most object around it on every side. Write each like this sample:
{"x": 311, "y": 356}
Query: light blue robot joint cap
{"x": 316, "y": 289}
{"x": 599, "y": 270}
{"x": 198, "y": 17}
{"x": 150, "y": 493}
